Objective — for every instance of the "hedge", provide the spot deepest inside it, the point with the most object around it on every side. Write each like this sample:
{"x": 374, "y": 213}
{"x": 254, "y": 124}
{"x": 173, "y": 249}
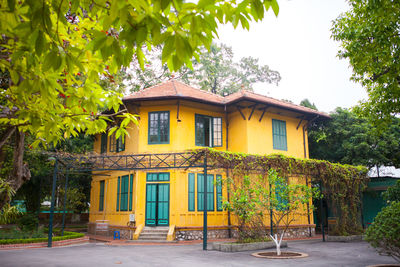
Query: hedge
{"x": 67, "y": 235}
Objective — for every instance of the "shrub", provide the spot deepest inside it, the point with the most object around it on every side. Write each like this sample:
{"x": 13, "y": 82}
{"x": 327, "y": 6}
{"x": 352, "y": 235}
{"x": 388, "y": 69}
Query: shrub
{"x": 28, "y": 222}
{"x": 384, "y": 233}
{"x": 67, "y": 235}
{"x": 392, "y": 193}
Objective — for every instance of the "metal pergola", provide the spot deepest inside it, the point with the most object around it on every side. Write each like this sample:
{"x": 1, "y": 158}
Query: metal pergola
{"x": 93, "y": 163}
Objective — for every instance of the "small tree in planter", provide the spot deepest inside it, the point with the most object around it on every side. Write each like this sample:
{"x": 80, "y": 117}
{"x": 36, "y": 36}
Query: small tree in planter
{"x": 245, "y": 204}
{"x": 284, "y": 200}
{"x": 252, "y": 200}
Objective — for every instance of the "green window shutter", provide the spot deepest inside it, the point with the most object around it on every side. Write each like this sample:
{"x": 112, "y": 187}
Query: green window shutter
{"x": 191, "y": 192}
{"x": 217, "y": 132}
{"x": 103, "y": 143}
{"x": 120, "y": 146}
{"x": 210, "y": 192}
{"x": 279, "y": 135}
{"x": 219, "y": 192}
{"x": 118, "y": 193}
{"x": 200, "y": 192}
{"x": 124, "y": 192}
{"x": 131, "y": 193}
{"x": 101, "y": 198}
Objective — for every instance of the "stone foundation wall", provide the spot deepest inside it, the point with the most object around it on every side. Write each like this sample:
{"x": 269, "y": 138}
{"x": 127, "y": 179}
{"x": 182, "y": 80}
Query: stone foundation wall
{"x": 221, "y": 234}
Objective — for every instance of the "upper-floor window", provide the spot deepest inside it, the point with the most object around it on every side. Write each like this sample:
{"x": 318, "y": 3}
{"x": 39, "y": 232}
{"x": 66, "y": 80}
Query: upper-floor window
{"x": 279, "y": 134}
{"x": 103, "y": 144}
{"x": 116, "y": 145}
{"x": 159, "y": 127}
{"x": 208, "y": 131}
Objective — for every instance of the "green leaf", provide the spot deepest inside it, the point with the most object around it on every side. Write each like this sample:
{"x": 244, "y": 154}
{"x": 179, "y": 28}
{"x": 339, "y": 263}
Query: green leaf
{"x": 11, "y": 5}
{"x": 204, "y": 3}
{"x": 275, "y": 7}
{"x": 40, "y": 42}
{"x": 168, "y": 48}
{"x": 14, "y": 76}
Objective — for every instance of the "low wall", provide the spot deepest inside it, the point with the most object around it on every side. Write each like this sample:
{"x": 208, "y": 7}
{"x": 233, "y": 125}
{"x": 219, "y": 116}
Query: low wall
{"x": 126, "y": 232}
{"x": 187, "y": 233}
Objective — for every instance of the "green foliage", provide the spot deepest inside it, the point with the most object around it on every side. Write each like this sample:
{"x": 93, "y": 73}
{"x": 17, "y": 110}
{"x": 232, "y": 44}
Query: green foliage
{"x": 28, "y": 222}
{"x": 67, "y": 235}
{"x": 253, "y": 199}
{"x": 342, "y": 184}
{"x": 9, "y": 214}
{"x": 308, "y": 104}
{"x": 392, "y": 194}
{"x": 369, "y": 36}
{"x": 384, "y": 233}
{"x": 57, "y": 51}
{"x": 76, "y": 200}
{"x": 16, "y": 233}
{"x": 349, "y": 139}
{"x": 213, "y": 70}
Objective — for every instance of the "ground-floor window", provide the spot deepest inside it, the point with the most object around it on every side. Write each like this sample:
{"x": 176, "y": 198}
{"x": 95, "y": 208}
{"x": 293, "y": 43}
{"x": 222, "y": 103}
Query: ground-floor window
{"x": 124, "y": 193}
{"x": 213, "y": 185}
{"x": 101, "y": 198}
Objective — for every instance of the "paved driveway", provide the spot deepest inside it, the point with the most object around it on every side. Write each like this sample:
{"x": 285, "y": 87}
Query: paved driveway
{"x": 96, "y": 255}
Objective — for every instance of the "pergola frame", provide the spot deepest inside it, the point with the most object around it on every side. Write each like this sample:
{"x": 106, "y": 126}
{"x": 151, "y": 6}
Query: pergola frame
{"x": 136, "y": 162}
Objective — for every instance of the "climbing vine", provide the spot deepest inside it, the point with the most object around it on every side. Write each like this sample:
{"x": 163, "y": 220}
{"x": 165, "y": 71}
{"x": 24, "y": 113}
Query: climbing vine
{"x": 341, "y": 185}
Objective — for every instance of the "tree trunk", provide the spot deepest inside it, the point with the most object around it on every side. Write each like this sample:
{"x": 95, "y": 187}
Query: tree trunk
{"x": 20, "y": 172}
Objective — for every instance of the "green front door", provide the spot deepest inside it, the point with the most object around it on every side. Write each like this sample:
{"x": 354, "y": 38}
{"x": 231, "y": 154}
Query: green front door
{"x": 157, "y": 204}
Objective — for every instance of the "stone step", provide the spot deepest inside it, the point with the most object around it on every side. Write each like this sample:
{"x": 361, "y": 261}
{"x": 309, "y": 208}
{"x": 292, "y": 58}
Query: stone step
{"x": 153, "y": 235}
{"x": 152, "y": 238}
{"x": 155, "y": 231}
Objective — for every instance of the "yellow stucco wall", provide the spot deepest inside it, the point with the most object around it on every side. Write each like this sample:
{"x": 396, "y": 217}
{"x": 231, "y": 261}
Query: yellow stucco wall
{"x": 248, "y": 136}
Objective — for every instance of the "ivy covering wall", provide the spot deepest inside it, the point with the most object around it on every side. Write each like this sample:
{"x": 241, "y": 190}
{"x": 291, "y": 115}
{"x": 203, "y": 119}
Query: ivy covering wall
{"x": 341, "y": 185}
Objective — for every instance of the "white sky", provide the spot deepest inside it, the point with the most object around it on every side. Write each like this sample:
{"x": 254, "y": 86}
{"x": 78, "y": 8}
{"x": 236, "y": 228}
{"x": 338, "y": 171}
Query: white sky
{"x": 297, "y": 43}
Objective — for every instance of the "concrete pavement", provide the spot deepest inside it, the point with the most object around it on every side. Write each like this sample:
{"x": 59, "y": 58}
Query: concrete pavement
{"x": 101, "y": 254}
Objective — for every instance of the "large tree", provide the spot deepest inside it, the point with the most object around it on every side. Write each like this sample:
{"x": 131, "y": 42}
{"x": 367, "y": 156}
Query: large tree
{"x": 370, "y": 40}
{"x": 213, "y": 70}
{"x": 349, "y": 139}
{"x": 56, "y": 51}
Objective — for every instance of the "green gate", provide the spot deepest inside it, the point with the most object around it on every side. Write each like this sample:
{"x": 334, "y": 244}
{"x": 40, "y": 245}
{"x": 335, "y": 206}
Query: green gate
{"x": 157, "y": 204}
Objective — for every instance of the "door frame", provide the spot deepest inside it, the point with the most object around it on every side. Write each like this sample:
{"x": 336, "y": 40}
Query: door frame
{"x": 156, "y": 212}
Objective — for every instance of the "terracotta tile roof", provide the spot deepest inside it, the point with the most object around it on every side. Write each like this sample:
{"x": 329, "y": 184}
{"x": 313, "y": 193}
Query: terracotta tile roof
{"x": 174, "y": 89}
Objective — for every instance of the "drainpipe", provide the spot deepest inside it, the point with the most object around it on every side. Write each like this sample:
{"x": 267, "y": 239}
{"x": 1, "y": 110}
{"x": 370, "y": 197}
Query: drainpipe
{"x": 305, "y": 156}
{"x": 227, "y": 170}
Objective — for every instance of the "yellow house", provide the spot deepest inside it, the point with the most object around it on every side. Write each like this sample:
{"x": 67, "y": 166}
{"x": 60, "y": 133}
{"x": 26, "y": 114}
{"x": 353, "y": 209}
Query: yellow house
{"x": 174, "y": 117}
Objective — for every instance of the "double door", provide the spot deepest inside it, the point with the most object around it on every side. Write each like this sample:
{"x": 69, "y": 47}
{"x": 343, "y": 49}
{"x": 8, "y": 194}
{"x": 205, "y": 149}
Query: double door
{"x": 157, "y": 204}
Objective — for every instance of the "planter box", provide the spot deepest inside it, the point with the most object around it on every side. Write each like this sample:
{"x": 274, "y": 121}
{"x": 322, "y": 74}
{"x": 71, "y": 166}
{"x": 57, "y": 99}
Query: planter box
{"x": 350, "y": 238}
{"x": 236, "y": 247}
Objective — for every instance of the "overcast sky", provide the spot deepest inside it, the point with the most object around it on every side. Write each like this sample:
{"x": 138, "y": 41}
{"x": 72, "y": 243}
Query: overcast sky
{"x": 297, "y": 43}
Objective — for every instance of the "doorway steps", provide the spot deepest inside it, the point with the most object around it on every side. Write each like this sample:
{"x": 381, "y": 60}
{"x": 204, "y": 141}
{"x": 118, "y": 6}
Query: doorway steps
{"x": 154, "y": 234}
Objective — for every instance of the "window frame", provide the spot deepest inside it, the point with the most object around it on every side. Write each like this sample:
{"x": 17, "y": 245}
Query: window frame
{"x": 218, "y": 192}
{"x": 191, "y": 192}
{"x": 276, "y": 135}
{"x": 103, "y": 143}
{"x": 157, "y": 175}
{"x": 212, "y": 131}
{"x": 125, "y": 192}
{"x": 158, "y": 130}
{"x": 116, "y": 145}
{"x": 101, "y": 195}
{"x": 210, "y": 195}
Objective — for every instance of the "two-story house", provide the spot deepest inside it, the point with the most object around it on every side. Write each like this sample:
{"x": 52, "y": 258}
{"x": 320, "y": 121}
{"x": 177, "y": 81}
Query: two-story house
{"x": 175, "y": 117}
